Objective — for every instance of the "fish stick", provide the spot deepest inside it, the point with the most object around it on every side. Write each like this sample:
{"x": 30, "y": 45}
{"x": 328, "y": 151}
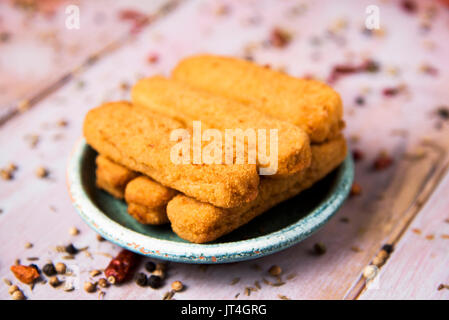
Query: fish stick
{"x": 309, "y": 104}
{"x": 187, "y": 104}
{"x": 202, "y": 222}
{"x": 147, "y": 200}
{"x": 112, "y": 177}
{"x": 140, "y": 140}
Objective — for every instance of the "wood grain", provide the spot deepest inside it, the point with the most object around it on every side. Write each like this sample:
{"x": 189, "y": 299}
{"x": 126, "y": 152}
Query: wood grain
{"x": 406, "y": 126}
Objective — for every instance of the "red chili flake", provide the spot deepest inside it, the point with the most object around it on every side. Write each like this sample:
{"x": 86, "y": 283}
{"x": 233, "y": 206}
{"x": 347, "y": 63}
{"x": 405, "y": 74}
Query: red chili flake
{"x": 138, "y": 19}
{"x": 409, "y": 6}
{"x": 153, "y": 58}
{"x": 390, "y": 92}
{"x": 416, "y": 230}
{"x": 430, "y": 237}
{"x": 25, "y": 274}
{"x": 356, "y": 189}
{"x": 383, "y": 161}
{"x": 357, "y": 155}
{"x": 430, "y": 70}
{"x": 121, "y": 267}
{"x": 280, "y": 38}
{"x": 443, "y": 112}
{"x": 339, "y": 70}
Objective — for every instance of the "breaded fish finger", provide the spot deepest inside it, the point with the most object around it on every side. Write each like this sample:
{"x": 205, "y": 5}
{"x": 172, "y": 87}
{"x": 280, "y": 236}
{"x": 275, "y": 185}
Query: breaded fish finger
{"x": 140, "y": 140}
{"x": 309, "y": 104}
{"x": 112, "y": 177}
{"x": 147, "y": 200}
{"x": 202, "y": 222}
{"x": 187, "y": 104}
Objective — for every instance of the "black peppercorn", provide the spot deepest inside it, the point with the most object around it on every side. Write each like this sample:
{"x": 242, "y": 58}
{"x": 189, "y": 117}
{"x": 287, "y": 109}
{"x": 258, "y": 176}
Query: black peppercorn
{"x": 150, "y": 266}
{"x": 388, "y": 248}
{"x": 70, "y": 249}
{"x": 155, "y": 282}
{"x": 36, "y": 267}
{"x": 360, "y": 100}
{"x": 141, "y": 279}
{"x": 49, "y": 269}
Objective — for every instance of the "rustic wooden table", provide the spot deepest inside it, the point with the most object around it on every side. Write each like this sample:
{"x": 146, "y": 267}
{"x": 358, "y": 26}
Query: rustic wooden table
{"x": 51, "y": 76}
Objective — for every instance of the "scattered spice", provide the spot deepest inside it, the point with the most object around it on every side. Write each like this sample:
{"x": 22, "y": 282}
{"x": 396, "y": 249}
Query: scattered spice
{"x": 369, "y": 272}
{"x": 443, "y": 286}
{"x": 68, "y": 286}
{"x": 49, "y": 269}
{"x": 153, "y": 58}
{"x": 275, "y": 271}
{"x": 121, "y": 266}
{"x": 443, "y": 112}
{"x": 18, "y": 295}
{"x": 408, "y": 6}
{"x": 280, "y": 38}
{"x": 41, "y": 172}
{"x": 356, "y": 249}
{"x": 23, "y": 105}
{"x": 150, "y": 266}
{"x": 159, "y": 273}
{"x": 356, "y": 189}
{"x": 168, "y": 295}
{"x": 70, "y": 249}
{"x": 73, "y": 231}
{"x": 100, "y": 238}
{"x": 282, "y": 297}
{"x": 103, "y": 283}
{"x": 359, "y": 100}
{"x": 54, "y": 281}
{"x": 247, "y": 292}
{"x": 430, "y": 237}
{"x": 429, "y": 70}
{"x": 234, "y": 281}
{"x": 12, "y": 289}
{"x": 141, "y": 279}
{"x": 25, "y": 274}
{"x": 137, "y": 19}
{"x": 338, "y": 71}
{"x": 319, "y": 248}
{"x": 416, "y": 230}
{"x": 61, "y": 268}
{"x": 445, "y": 236}
{"x": 28, "y": 245}
{"x": 89, "y": 287}
{"x": 177, "y": 286}
{"x": 344, "y": 219}
{"x": 155, "y": 282}
{"x": 63, "y": 123}
{"x": 382, "y": 161}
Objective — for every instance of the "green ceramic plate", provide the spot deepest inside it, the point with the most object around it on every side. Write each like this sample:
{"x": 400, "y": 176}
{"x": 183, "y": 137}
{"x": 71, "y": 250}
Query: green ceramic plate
{"x": 281, "y": 227}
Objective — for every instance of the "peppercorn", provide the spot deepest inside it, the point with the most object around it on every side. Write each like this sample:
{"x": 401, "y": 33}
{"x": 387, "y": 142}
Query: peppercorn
{"x": 177, "y": 286}
{"x": 141, "y": 279}
{"x": 54, "y": 281}
{"x": 60, "y": 268}
{"x": 360, "y": 100}
{"x": 13, "y": 289}
{"x": 89, "y": 287}
{"x": 49, "y": 269}
{"x": 319, "y": 248}
{"x": 18, "y": 295}
{"x": 150, "y": 266}
{"x": 70, "y": 249}
{"x": 103, "y": 283}
{"x": 36, "y": 267}
{"x": 388, "y": 248}
{"x": 155, "y": 282}
{"x": 275, "y": 271}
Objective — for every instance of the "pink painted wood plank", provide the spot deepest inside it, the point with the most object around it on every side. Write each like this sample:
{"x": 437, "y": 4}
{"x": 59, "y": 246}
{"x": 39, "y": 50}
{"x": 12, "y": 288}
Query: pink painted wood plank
{"x": 38, "y": 49}
{"x": 419, "y": 263}
{"x": 243, "y": 28}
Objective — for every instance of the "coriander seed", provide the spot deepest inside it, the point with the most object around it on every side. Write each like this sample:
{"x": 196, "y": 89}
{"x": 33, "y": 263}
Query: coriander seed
{"x": 275, "y": 271}
{"x": 54, "y": 281}
{"x": 41, "y": 172}
{"x": 60, "y": 268}
{"x": 73, "y": 231}
{"x": 13, "y": 289}
{"x": 89, "y": 287}
{"x": 18, "y": 295}
{"x": 177, "y": 286}
{"x": 319, "y": 248}
{"x": 103, "y": 283}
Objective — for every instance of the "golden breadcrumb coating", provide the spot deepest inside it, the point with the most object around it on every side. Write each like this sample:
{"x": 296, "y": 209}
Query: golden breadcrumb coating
{"x": 112, "y": 177}
{"x": 309, "y": 104}
{"x": 187, "y": 104}
{"x": 140, "y": 140}
{"x": 201, "y": 222}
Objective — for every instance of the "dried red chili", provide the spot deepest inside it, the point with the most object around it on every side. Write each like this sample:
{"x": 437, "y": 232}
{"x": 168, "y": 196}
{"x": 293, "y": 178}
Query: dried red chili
{"x": 383, "y": 161}
{"x": 340, "y": 70}
{"x": 25, "y": 274}
{"x": 121, "y": 267}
